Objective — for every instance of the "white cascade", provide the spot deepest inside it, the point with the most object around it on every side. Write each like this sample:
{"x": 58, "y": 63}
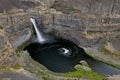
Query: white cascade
{"x": 39, "y": 35}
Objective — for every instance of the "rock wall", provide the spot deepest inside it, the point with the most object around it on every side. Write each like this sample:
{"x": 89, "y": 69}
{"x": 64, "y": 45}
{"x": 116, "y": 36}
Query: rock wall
{"x": 23, "y": 5}
{"x": 15, "y": 29}
{"x": 7, "y": 53}
{"x": 15, "y": 26}
{"x": 13, "y": 33}
{"x": 96, "y": 7}
{"x": 92, "y": 24}
{"x": 85, "y": 31}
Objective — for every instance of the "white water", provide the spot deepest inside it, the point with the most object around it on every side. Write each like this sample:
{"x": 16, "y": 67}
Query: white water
{"x": 39, "y": 35}
{"x": 65, "y": 51}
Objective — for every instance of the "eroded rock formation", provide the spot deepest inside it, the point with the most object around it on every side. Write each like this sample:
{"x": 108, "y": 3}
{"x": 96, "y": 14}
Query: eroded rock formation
{"x": 7, "y": 53}
{"x": 91, "y": 24}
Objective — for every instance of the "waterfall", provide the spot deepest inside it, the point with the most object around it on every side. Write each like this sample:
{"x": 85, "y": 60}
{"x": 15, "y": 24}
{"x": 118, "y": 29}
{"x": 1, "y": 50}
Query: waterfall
{"x": 39, "y": 35}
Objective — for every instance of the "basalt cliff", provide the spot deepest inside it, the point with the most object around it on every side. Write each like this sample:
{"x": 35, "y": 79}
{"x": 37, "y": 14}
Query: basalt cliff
{"x": 93, "y": 25}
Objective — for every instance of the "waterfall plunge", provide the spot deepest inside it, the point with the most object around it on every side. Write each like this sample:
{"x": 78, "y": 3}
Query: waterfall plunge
{"x": 39, "y": 35}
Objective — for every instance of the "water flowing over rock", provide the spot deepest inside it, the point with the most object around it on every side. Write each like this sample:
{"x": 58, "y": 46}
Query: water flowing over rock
{"x": 38, "y": 33}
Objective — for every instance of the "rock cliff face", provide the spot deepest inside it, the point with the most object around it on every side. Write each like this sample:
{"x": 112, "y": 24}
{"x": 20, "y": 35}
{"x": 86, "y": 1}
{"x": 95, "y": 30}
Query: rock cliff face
{"x": 15, "y": 26}
{"x": 7, "y": 53}
{"x": 92, "y": 24}
{"x": 93, "y": 6}
{"x": 23, "y": 5}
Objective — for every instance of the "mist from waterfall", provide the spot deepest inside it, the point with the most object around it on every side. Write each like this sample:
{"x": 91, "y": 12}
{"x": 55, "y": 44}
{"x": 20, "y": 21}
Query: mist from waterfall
{"x": 39, "y": 35}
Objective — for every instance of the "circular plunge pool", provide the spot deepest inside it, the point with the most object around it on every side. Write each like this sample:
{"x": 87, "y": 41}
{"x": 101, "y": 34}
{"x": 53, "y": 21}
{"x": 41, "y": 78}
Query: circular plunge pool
{"x": 62, "y": 55}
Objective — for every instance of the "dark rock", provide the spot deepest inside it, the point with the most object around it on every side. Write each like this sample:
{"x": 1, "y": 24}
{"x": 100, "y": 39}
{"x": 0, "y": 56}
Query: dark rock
{"x": 23, "y": 37}
{"x": 1, "y": 42}
{"x": 69, "y": 21}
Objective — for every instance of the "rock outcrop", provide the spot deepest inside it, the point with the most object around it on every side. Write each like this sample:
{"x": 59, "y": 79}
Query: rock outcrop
{"x": 15, "y": 26}
{"x": 23, "y": 5}
{"x": 7, "y": 53}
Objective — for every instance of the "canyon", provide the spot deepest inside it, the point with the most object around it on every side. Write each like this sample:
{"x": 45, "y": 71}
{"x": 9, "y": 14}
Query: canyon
{"x": 91, "y": 24}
